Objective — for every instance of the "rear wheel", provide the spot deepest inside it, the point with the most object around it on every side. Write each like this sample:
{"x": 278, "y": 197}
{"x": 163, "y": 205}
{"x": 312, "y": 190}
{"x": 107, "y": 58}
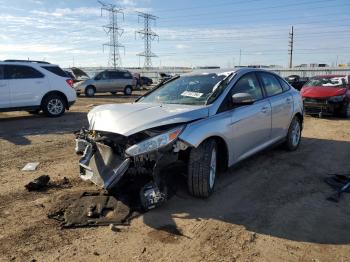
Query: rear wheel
{"x": 54, "y": 105}
{"x": 202, "y": 169}
{"x": 128, "y": 90}
{"x": 90, "y": 91}
{"x": 294, "y": 135}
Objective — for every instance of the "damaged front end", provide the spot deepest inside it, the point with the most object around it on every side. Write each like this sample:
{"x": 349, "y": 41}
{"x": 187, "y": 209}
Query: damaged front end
{"x": 108, "y": 157}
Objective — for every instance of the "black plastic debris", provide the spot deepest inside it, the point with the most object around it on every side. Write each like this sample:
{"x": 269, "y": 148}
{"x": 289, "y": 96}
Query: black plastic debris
{"x": 38, "y": 184}
{"x": 43, "y": 183}
{"x": 341, "y": 183}
{"x": 94, "y": 209}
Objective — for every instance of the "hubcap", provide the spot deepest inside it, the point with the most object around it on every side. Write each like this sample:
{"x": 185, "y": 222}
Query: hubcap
{"x": 212, "y": 168}
{"x": 55, "y": 106}
{"x": 296, "y": 133}
{"x": 90, "y": 91}
{"x": 128, "y": 91}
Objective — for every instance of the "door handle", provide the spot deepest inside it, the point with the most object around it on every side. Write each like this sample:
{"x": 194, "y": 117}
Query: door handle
{"x": 3, "y": 85}
{"x": 39, "y": 82}
{"x": 264, "y": 109}
{"x": 289, "y": 100}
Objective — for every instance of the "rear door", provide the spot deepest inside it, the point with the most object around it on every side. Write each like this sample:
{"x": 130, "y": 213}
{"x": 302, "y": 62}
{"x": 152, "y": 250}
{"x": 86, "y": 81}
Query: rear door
{"x": 27, "y": 85}
{"x": 4, "y": 90}
{"x": 281, "y": 103}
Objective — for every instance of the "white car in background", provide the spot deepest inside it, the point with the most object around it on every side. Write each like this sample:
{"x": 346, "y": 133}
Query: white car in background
{"x": 34, "y": 86}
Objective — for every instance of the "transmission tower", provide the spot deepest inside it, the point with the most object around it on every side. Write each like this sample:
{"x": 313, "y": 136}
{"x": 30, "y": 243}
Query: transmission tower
{"x": 291, "y": 46}
{"x": 148, "y": 36}
{"x": 114, "y": 32}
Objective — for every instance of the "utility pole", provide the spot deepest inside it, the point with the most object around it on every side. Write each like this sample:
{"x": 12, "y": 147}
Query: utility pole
{"x": 148, "y": 36}
{"x": 114, "y": 32}
{"x": 240, "y": 56}
{"x": 291, "y": 45}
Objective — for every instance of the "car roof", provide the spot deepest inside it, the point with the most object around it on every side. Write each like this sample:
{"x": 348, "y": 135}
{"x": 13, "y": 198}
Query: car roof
{"x": 226, "y": 71}
{"x": 39, "y": 63}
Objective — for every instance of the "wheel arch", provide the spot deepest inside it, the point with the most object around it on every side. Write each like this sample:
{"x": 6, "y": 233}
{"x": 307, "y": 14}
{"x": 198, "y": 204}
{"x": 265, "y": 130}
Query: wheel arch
{"x": 56, "y": 92}
{"x": 300, "y": 117}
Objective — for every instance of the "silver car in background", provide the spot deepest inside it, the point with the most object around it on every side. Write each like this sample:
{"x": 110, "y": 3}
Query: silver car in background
{"x": 208, "y": 121}
{"x": 112, "y": 81}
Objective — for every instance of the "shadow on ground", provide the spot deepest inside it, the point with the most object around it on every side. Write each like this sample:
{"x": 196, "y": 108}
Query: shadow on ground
{"x": 15, "y": 129}
{"x": 274, "y": 193}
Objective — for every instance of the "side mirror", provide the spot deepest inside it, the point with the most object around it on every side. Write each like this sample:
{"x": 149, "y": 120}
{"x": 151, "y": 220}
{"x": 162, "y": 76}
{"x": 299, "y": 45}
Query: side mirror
{"x": 241, "y": 99}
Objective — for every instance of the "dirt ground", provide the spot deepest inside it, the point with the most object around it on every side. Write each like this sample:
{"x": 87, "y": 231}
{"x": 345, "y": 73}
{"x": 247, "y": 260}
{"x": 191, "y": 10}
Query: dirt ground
{"x": 270, "y": 207}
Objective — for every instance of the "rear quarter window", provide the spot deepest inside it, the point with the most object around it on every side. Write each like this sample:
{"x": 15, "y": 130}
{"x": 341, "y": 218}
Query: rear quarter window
{"x": 285, "y": 86}
{"x": 55, "y": 70}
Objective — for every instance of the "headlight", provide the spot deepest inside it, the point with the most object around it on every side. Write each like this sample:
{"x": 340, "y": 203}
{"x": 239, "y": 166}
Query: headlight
{"x": 154, "y": 143}
{"x": 336, "y": 99}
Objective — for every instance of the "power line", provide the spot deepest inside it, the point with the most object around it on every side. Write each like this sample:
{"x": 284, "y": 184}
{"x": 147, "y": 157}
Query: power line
{"x": 148, "y": 35}
{"x": 114, "y": 32}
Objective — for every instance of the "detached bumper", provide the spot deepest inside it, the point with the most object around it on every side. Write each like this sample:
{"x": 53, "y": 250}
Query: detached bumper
{"x": 101, "y": 165}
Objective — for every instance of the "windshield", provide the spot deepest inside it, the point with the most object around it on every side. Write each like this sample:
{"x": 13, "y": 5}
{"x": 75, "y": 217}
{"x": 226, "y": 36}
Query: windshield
{"x": 339, "y": 81}
{"x": 187, "y": 90}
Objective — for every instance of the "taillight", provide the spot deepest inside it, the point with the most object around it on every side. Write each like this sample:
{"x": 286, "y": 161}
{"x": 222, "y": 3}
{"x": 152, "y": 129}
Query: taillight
{"x": 70, "y": 82}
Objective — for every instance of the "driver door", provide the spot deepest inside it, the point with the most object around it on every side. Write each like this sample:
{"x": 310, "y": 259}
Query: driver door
{"x": 102, "y": 82}
{"x": 250, "y": 125}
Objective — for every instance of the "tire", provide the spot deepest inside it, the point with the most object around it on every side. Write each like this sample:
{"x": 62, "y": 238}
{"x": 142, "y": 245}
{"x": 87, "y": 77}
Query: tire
{"x": 54, "y": 105}
{"x": 345, "y": 110}
{"x": 202, "y": 169}
{"x": 294, "y": 135}
{"x": 128, "y": 90}
{"x": 90, "y": 91}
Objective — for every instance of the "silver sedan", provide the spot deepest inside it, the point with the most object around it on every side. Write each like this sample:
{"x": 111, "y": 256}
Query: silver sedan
{"x": 206, "y": 120}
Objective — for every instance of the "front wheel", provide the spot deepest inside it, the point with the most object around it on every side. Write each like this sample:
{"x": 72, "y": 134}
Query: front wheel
{"x": 128, "y": 90}
{"x": 202, "y": 169}
{"x": 53, "y": 105}
{"x": 90, "y": 91}
{"x": 294, "y": 135}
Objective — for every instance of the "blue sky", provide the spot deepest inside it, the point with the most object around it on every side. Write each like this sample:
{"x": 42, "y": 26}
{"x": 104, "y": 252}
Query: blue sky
{"x": 192, "y": 33}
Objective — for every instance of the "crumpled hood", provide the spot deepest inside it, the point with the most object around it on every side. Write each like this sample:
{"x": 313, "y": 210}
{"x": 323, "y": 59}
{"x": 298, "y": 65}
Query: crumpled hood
{"x": 131, "y": 118}
{"x": 322, "y": 92}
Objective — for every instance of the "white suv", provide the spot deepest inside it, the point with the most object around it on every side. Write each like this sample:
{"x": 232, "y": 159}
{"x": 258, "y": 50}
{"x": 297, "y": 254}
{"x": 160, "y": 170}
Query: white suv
{"x": 34, "y": 86}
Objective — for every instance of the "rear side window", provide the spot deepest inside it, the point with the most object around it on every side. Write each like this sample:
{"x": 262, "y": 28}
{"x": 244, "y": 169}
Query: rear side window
{"x": 120, "y": 75}
{"x": 1, "y": 72}
{"x": 21, "y": 72}
{"x": 271, "y": 84}
{"x": 56, "y": 70}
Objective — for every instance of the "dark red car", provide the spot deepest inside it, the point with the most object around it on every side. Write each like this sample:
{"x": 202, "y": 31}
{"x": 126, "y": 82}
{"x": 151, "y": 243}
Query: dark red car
{"x": 327, "y": 95}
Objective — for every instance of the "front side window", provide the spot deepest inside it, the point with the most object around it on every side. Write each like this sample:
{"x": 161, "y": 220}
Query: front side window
{"x": 248, "y": 84}
{"x": 271, "y": 84}
{"x": 21, "y": 72}
{"x": 187, "y": 90}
